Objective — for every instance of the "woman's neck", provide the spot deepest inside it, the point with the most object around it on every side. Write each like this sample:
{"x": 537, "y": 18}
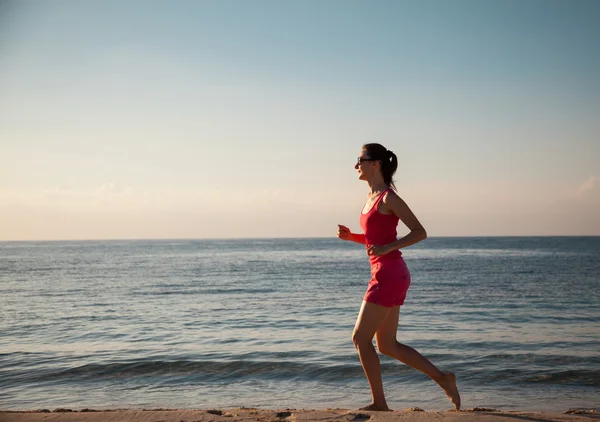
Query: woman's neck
{"x": 377, "y": 186}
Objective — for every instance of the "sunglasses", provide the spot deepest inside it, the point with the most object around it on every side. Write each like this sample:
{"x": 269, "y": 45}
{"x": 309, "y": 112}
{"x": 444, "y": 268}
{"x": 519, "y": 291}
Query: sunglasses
{"x": 360, "y": 160}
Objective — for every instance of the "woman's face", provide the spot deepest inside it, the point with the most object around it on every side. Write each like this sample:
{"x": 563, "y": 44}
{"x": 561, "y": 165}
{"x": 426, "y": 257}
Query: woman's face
{"x": 365, "y": 166}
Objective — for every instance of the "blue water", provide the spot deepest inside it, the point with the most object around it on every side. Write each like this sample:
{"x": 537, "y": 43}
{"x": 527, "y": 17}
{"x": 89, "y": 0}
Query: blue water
{"x": 268, "y": 323}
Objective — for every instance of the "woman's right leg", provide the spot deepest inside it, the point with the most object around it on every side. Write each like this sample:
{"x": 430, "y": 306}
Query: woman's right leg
{"x": 368, "y": 321}
{"x": 389, "y": 346}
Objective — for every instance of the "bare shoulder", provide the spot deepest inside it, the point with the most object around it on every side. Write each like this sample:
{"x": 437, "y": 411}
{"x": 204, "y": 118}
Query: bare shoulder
{"x": 392, "y": 198}
{"x": 395, "y": 204}
{"x": 392, "y": 203}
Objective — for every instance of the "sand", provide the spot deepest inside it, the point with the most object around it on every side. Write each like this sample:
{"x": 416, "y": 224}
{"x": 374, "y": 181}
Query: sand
{"x": 290, "y": 415}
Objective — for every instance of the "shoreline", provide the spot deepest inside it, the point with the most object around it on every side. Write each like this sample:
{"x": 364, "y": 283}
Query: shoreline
{"x": 286, "y": 414}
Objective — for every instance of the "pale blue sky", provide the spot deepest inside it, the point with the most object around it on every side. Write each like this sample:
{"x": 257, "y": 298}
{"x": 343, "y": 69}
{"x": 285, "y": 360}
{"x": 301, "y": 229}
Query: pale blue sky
{"x": 151, "y": 119}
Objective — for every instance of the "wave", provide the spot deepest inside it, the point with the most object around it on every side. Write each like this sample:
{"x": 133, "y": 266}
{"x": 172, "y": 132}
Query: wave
{"x": 507, "y": 369}
{"x": 581, "y": 377}
{"x": 201, "y": 371}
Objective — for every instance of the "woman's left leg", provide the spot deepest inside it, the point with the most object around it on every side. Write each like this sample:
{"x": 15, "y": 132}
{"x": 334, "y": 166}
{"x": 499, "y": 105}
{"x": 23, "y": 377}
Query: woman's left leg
{"x": 369, "y": 319}
{"x": 388, "y": 345}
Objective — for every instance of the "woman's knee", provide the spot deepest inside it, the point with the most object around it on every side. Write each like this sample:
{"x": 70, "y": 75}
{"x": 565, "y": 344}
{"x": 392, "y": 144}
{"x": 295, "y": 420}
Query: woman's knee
{"x": 360, "y": 339}
{"x": 387, "y": 348}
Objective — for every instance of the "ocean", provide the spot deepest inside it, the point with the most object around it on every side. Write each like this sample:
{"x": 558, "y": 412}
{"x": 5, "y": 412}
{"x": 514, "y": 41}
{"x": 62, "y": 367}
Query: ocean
{"x": 268, "y": 322}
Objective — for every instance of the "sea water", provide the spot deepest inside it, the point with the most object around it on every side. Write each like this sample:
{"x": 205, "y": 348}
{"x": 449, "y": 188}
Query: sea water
{"x": 268, "y": 323}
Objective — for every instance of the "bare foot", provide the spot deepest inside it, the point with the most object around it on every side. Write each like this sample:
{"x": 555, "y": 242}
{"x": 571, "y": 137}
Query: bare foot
{"x": 376, "y": 407}
{"x": 448, "y": 383}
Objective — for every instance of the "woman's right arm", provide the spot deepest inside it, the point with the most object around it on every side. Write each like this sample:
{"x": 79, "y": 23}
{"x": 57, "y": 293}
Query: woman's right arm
{"x": 345, "y": 234}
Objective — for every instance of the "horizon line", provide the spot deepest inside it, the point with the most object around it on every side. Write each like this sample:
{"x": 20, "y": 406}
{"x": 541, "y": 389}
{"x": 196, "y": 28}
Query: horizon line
{"x": 276, "y": 238}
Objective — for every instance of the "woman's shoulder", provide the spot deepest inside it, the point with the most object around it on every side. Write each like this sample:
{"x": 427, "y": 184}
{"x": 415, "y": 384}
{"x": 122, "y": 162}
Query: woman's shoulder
{"x": 392, "y": 199}
{"x": 390, "y": 195}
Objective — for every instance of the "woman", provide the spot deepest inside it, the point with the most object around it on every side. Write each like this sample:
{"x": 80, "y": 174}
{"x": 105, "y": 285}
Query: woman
{"x": 390, "y": 278}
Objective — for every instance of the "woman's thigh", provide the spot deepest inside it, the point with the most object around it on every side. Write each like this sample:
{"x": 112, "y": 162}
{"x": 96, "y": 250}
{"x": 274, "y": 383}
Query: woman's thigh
{"x": 386, "y": 333}
{"x": 369, "y": 320}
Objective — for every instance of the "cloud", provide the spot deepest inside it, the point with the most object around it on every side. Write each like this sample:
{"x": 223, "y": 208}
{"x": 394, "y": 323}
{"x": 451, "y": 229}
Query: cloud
{"x": 586, "y": 186}
{"x": 62, "y": 196}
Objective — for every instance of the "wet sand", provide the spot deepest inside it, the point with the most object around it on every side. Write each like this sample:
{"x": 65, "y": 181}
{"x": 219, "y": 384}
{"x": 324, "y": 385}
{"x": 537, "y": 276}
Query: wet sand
{"x": 290, "y": 415}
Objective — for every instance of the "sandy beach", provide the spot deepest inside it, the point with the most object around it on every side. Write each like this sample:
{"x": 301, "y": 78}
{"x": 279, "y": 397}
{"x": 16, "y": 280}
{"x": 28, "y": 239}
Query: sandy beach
{"x": 252, "y": 414}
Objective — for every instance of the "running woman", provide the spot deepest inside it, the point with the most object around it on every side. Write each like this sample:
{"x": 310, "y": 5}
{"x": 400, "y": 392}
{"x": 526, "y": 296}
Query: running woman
{"x": 390, "y": 278}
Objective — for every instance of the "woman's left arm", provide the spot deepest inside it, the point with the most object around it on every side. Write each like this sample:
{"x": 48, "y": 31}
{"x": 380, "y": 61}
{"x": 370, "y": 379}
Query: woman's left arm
{"x": 404, "y": 213}
{"x": 417, "y": 232}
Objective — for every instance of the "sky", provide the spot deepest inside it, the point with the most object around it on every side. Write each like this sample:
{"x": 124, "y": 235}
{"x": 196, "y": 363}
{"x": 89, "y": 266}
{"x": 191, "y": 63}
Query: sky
{"x": 236, "y": 119}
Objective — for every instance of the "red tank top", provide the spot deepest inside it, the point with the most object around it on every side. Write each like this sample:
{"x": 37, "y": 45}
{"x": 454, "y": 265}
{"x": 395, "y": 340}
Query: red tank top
{"x": 380, "y": 229}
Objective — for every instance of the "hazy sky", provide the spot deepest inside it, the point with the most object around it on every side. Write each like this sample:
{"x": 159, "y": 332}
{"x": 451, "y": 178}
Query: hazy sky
{"x": 209, "y": 119}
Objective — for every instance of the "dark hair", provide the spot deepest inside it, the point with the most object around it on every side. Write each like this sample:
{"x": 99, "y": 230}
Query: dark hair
{"x": 389, "y": 161}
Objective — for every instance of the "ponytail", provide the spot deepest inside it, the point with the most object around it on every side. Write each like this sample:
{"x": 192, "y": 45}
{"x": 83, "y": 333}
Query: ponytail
{"x": 388, "y": 168}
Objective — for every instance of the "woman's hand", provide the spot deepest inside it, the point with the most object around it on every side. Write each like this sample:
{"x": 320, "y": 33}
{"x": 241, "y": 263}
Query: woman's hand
{"x": 378, "y": 250}
{"x": 343, "y": 232}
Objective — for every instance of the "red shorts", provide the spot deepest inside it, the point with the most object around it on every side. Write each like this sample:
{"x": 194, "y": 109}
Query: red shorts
{"x": 389, "y": 283}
